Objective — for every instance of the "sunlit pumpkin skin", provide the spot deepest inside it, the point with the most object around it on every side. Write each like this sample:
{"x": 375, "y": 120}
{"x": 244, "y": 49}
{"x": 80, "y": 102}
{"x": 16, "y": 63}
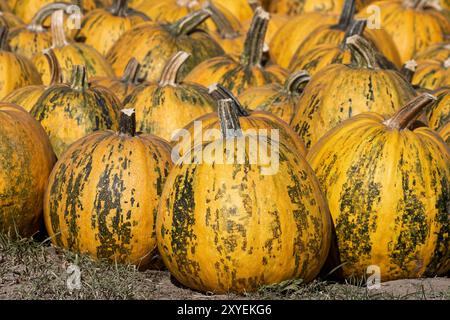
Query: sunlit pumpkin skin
{"x": 238, "y": 75}
{"x": 27, "y": 96}
{"x": 70, "y": 54}
{"x": 69, "y": 112}
{"x": 10, "y": 20}
{"x": 340, "y": 91}
{"x": 295, "y": 7}
{"x": 16, "y": 71}
{"x": 216, "y": 233}
{"x": 438, "y": 114}
{"x": 111, "y": 213}
{"x": 165, "y": 107}
{"x": 388, "y": 191}
{"x": 412, "y": 25}
{"x": 445, "y": 133}
{"x": 153, "y": 45}
{"x": 121, "y": 86}
{"x": 440, "y": 51}
{"x": 280, "y": 100}
{"x": 432, "y": 74}
{"x": 26, "y": 160}
{"x": 101, "y": 28}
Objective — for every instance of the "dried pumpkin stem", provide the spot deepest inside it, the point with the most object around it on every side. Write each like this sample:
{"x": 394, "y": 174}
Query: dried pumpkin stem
{"x": 188, "y": 23}
{"x": 408, "y": 70}
{"x": 229, "y": 120}
{"x": 219, "y": 92}
{"x": 348, "y": 11}
{"x": 79, "y": 78}
{"x": 297, "y": 81}
{"x": 4, "y": 31}
{"x": 356, "y": 27}
{"x": 254, "y": 41}
{"x": 364, "y": 54}
{"x": 36, "y": 23}
{"x": 55, "y": 68}
{"x": 119, "y": 8}
{"x": 403, "y": 118}
{"x": 131, "y": 73}
{"x": 224, "y": 27}
{"x": 170, "y": 73}
{"x": 127, "y": 122}
{"x": 58, "y": 34}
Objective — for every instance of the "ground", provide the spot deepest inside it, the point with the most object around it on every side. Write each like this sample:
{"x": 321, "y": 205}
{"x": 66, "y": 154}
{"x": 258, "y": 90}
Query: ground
{"x": 34, "y": 270}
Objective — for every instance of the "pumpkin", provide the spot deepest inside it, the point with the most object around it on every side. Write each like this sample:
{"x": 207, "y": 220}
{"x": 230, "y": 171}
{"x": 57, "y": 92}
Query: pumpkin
{"x": 280, "y": 100}
{"x": 15, "y": 70}
{"x": 216, "y": 233}
{"x": 101, "y": 28}
{"x": 110, "y": 213}
{"x": 295, "y": 7}
{"x": 26, "y": 159}
{"x": 68, "y": 112}
{"x": 70, "y": 54}
{"x": 438, "y": 114}
{"x": 169, "y": 105}
{"x": 413, "y": 25}
{"x": 388, "y": 190}
{"x": 239, "y": 75}
{"x": 440, "y": 51}
{"x": 249, "y": 120}
{"x": 27, "y": 96}
{"x": 10, "y": 20}
{"x": 444, "y": 132}
{"x": 341, "y": 91}
{"x": 121, "y": 86}
{"x": 153, "y": 45}
{"x": 432, "y": 74}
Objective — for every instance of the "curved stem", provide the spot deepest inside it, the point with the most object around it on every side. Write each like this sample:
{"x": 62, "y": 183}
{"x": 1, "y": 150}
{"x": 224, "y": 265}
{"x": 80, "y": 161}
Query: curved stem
{"x": 254, "y": 41}
{"x": 4, "y": 31}
{"x": 229, "y": 120}
{"x": 403, "y": 118}
{"x": 44, "y": 13}
{"x": 348, "y": 11}
{"x": 297, "y": 81}
{"x": 188, "y": 23}
{"x": 119, "y": 8}
{"x": 170, "y": 72}
{"x": 79, "y": 78}
{"x": 130, "y": 75}
{"x": 55, "y": 68}
{"x": 127, "y": 122}
{"x": 356, "y": 27}
{"x": 408, "y": 70}
{"x": 363, "y": 52}
{"x": 224, "y": 27}
{"x": 219, "y": 92}
{"x": 58, "y": 34}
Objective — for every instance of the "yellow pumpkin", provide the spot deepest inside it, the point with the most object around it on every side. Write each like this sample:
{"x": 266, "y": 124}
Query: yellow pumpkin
{"x": 445, "y": 133}
{"x": 101, "y": 28}
{"x": 10, "y": 20}
{"x": 339, "y": 92}
{"x": 111, "y": 213}
{"x": 217, "y": 233}
{"x": 275, "y": 23}
{"x": 16, "y": 71}
{"x": 438, "y": 114}
{"x": 432, "y": 74}
{"x": 239, "y": 75}
{"x": 388, "y": 191}
{"x": 295, "y": 7}
{"x": 154, "y": 44}
{"x": 70, "y": 54}
{"x": 440, "y": 51}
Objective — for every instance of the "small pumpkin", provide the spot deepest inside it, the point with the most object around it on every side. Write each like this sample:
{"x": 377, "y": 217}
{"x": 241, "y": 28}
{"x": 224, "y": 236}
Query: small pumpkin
{"x": 71, "y": 53}
{"x": 154, "y": 44}
{"x": 340, "y": 91}
{"x": 280, "y": 100}
{"x": 111, "y": 213}
{"x": 432, "y": 74}
{"x": 16, "y": 71}
{"x": 101, "y": 28}
{"x": 69, "y": 112}
{"x": 388, "y": 189}
{"x": 216, "y": 233}
{"x": 26, "y": 159}
{"x": 169, "y": 105}
{"x": 440, "y": 51}
{"x": 239, "y": 75}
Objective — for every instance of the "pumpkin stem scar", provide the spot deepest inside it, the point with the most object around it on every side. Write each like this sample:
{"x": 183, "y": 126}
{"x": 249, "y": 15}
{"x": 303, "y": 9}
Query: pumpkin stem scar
{"x": 297, "y": 81}
{"x": 55, "y": 68}
{"x": 218, "y": 92}
{"x": 4, "y": 38}
{"x": 57, "y": 27}
{"x": 406, "y": 115}
{"x": 254, "y": 41}
{"x": 127, "y": 122}
{"x": 172, "y": 68}
{"x": 363, "y": 52}
{"x": 224, "y": 27}
{"x": 408, "y": 70}
{"x": 44, "y": 13}
{"x": 348, "y": 11}
{"x": 188, "y": 23}
{"x": 79, "y": 78}
{"x": 229, "y": 120}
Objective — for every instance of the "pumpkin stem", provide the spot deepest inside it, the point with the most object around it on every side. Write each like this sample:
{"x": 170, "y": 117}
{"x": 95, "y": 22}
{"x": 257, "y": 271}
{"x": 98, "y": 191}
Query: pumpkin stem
{"x": 254, "y": 41}
{"x": 55, "y": 67}
{"x": 219, "y": 92}
{"x": 254, "y": 4}
{"x": 356, "y": 27}
{"x": 4, "y": 31}
{"x": 297, "y": 81}
{"x": 79, "y": 78}
{"x": 131, "y": 72}
{"x": 421, "y": 4}
{"x": 127, "y": 122}
{"x": 348, "y": 11}
{"x": 363, "y": 52}
{"x": 403, "y": 118}
{"x": 188, "y": 23}
{"x": 170, "y": 73}
{"x": 187, "y": 3}
{"x": 43, "y": 13}
{"x": 224, "y": 27}
{"x": 58, "y": 34}
{"x": 229, "y": 120}
{"x": 119, "y": 8}
{"x": 408, "y": 70}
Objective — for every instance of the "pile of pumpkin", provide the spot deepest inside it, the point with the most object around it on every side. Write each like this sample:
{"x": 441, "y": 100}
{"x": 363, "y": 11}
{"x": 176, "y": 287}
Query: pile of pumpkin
{"x": 87, "y": 116}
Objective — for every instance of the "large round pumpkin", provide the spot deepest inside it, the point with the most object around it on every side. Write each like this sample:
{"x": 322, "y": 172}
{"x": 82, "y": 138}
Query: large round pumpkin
{"x": 217, "y": 233}
{"x": 69, "y": 112}
{"x": 16, "y": 71}
{"x": 169, "y": 105}
{"x": 26, "y": 159}
{"x": 388, "y": 189}
{"x": 340, "y": 91}
{"x": 110, "y": 213}
{"x": 432, "y": 74}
